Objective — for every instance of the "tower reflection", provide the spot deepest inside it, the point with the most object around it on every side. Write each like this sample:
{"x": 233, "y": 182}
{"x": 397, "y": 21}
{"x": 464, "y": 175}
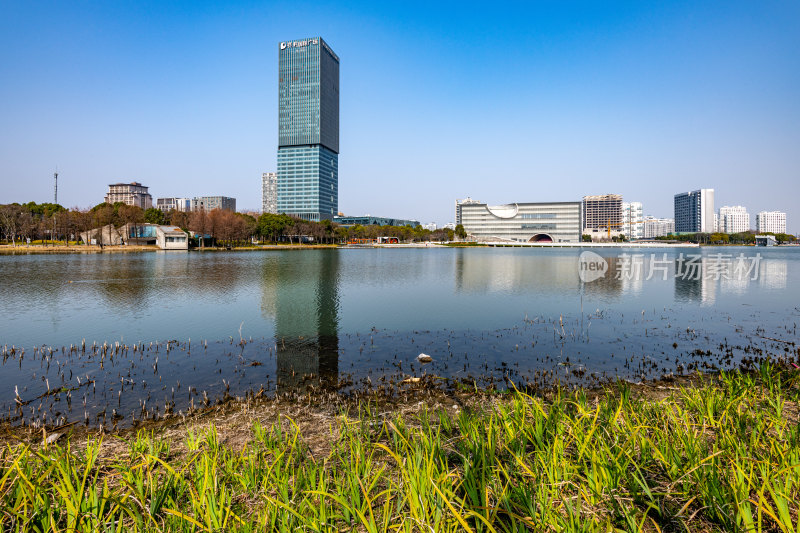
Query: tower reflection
{"x": 303, "y": 293}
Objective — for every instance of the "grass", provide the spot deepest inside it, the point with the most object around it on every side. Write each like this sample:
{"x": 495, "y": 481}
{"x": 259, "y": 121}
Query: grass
{"x": 722, "y": 455}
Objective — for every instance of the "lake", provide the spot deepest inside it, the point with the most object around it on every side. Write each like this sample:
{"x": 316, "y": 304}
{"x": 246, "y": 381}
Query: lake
{"x": 184, "y": 329}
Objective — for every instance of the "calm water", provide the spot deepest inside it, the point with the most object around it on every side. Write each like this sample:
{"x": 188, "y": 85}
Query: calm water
{"x": 280, "y": 320}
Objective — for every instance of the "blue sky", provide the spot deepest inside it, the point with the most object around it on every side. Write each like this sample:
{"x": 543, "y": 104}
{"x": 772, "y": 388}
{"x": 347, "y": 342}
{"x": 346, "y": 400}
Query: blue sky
{"x": 536, "y": 101}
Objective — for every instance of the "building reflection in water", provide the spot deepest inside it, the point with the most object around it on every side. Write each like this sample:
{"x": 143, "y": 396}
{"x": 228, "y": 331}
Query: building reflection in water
{"x": 773, "y": 273}
{"x": 498, "y": 270}
{"x": 302, "y": 293}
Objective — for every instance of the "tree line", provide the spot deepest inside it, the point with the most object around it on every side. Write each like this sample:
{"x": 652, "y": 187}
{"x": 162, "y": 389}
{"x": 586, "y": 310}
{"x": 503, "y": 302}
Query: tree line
{"x": 745, "y": 237}
{"x": 49, "y": 222}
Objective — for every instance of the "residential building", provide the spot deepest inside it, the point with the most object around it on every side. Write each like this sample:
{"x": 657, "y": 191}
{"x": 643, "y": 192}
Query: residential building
{"x": 174, "y": 204}
{"x": 771, "y": 222}
{"x": 369, "y": 220}
{"x": 657, "y": 227}
{"x": 603, "y": 212}
{"x": 449, "y": 225}
{"x": 522, "y": 222}
{"x": 694, "y": 211}
{"x": 733, "y": 219}
{"x": 209, "y": 203}
{"x": 269, "y": 192}
{"x": 133, "y": 193}
{"x": 308, "y": 129}
{"x": 431, "y": 226}
{"x": 632, "y": 220}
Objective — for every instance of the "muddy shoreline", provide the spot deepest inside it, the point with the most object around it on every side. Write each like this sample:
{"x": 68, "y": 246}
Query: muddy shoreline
{"x": 315, "y": 411}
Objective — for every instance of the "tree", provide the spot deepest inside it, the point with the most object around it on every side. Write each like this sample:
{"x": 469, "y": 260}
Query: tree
{"x": 155, "y": 216}
{"x": 461, "y": 233}
{"x": 9, "y": 221}
{"x": 198, "y": 222}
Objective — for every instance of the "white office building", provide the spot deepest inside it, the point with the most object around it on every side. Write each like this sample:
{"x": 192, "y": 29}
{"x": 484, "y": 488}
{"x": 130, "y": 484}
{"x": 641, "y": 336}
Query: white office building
{"x": 771, "y": 222}
{"x": 632, "y": 220}
{"x": 269, "y": 192}
{"x": 173, "y": 204}
{"x": 521, "y": 222}
{"x": 657, "y": 227}
{"x": 733, "y": 219}
{"x": 430, "y": 227}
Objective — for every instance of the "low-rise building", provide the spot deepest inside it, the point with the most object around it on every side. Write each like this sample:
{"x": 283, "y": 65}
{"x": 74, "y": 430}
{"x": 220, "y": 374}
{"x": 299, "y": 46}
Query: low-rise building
{"x": 369, "y": 220}
{"x": 766, "y": 240}
{"x": 165, "y": 237}
{"x": 522, "y": 222}
{"x": 133, "y": 193}
{"x": 171, "y": 238}
{"x": 431, "y": 226}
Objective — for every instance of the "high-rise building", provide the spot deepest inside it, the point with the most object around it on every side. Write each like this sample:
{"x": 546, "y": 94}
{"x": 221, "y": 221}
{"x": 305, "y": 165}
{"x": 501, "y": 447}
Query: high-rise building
{"x": 209, "y": 203}
{"x": 733, "y": 219}
{"x": 603, "y": 212}
{"x": 133, "y": 193}
{"x": 771, "y": 221}
{"x": 657, "y": 227}
{"x": 308, "y": 129}
{"x": 269, "y": 192}
{"x": 694, "y": 211}
{"x": 632, "y": 220}
{"x": 173, "y": 204}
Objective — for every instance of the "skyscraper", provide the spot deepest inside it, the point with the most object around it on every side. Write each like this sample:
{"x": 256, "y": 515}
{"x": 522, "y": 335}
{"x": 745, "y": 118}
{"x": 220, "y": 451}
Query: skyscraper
{"x": 694, "y": 211}
{"x": 308, "y": 129}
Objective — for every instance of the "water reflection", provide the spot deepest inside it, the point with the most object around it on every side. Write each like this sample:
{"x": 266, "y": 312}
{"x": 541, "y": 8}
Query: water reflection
{"x": 303, "y": 296}
{"x": 493, "y": 270}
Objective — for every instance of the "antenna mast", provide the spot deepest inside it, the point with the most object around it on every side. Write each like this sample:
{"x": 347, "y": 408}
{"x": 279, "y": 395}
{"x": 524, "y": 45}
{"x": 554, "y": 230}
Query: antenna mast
{"x": 55, "y": 188}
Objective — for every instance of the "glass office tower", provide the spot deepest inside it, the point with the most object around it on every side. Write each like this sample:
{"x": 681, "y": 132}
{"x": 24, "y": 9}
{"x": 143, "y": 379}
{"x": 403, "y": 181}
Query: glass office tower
{"x": 308, "y": 129}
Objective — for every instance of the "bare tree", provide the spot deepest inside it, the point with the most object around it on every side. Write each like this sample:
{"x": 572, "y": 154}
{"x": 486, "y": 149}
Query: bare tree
{"x": 9, "y": 220}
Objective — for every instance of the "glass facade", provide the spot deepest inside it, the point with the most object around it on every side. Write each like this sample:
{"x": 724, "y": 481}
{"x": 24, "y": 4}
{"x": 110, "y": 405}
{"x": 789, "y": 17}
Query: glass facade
{"x": 308, "y": 129}
{"x": 308, "y": 182}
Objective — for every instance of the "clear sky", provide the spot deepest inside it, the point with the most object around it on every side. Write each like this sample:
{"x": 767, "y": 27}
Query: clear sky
{"x": 536, "y": 101}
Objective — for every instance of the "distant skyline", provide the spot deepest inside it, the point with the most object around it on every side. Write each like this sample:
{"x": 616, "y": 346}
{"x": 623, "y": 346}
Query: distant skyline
{"x": 518, "y": 102}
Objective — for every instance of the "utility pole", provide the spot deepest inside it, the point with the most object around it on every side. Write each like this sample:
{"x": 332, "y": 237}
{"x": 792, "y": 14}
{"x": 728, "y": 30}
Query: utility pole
{"x": 55, "y": 201}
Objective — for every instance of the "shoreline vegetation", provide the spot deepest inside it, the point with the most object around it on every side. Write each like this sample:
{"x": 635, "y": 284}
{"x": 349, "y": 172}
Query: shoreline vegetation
{"x": 93, "y": 249}
{"x": 707, "y": 452}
